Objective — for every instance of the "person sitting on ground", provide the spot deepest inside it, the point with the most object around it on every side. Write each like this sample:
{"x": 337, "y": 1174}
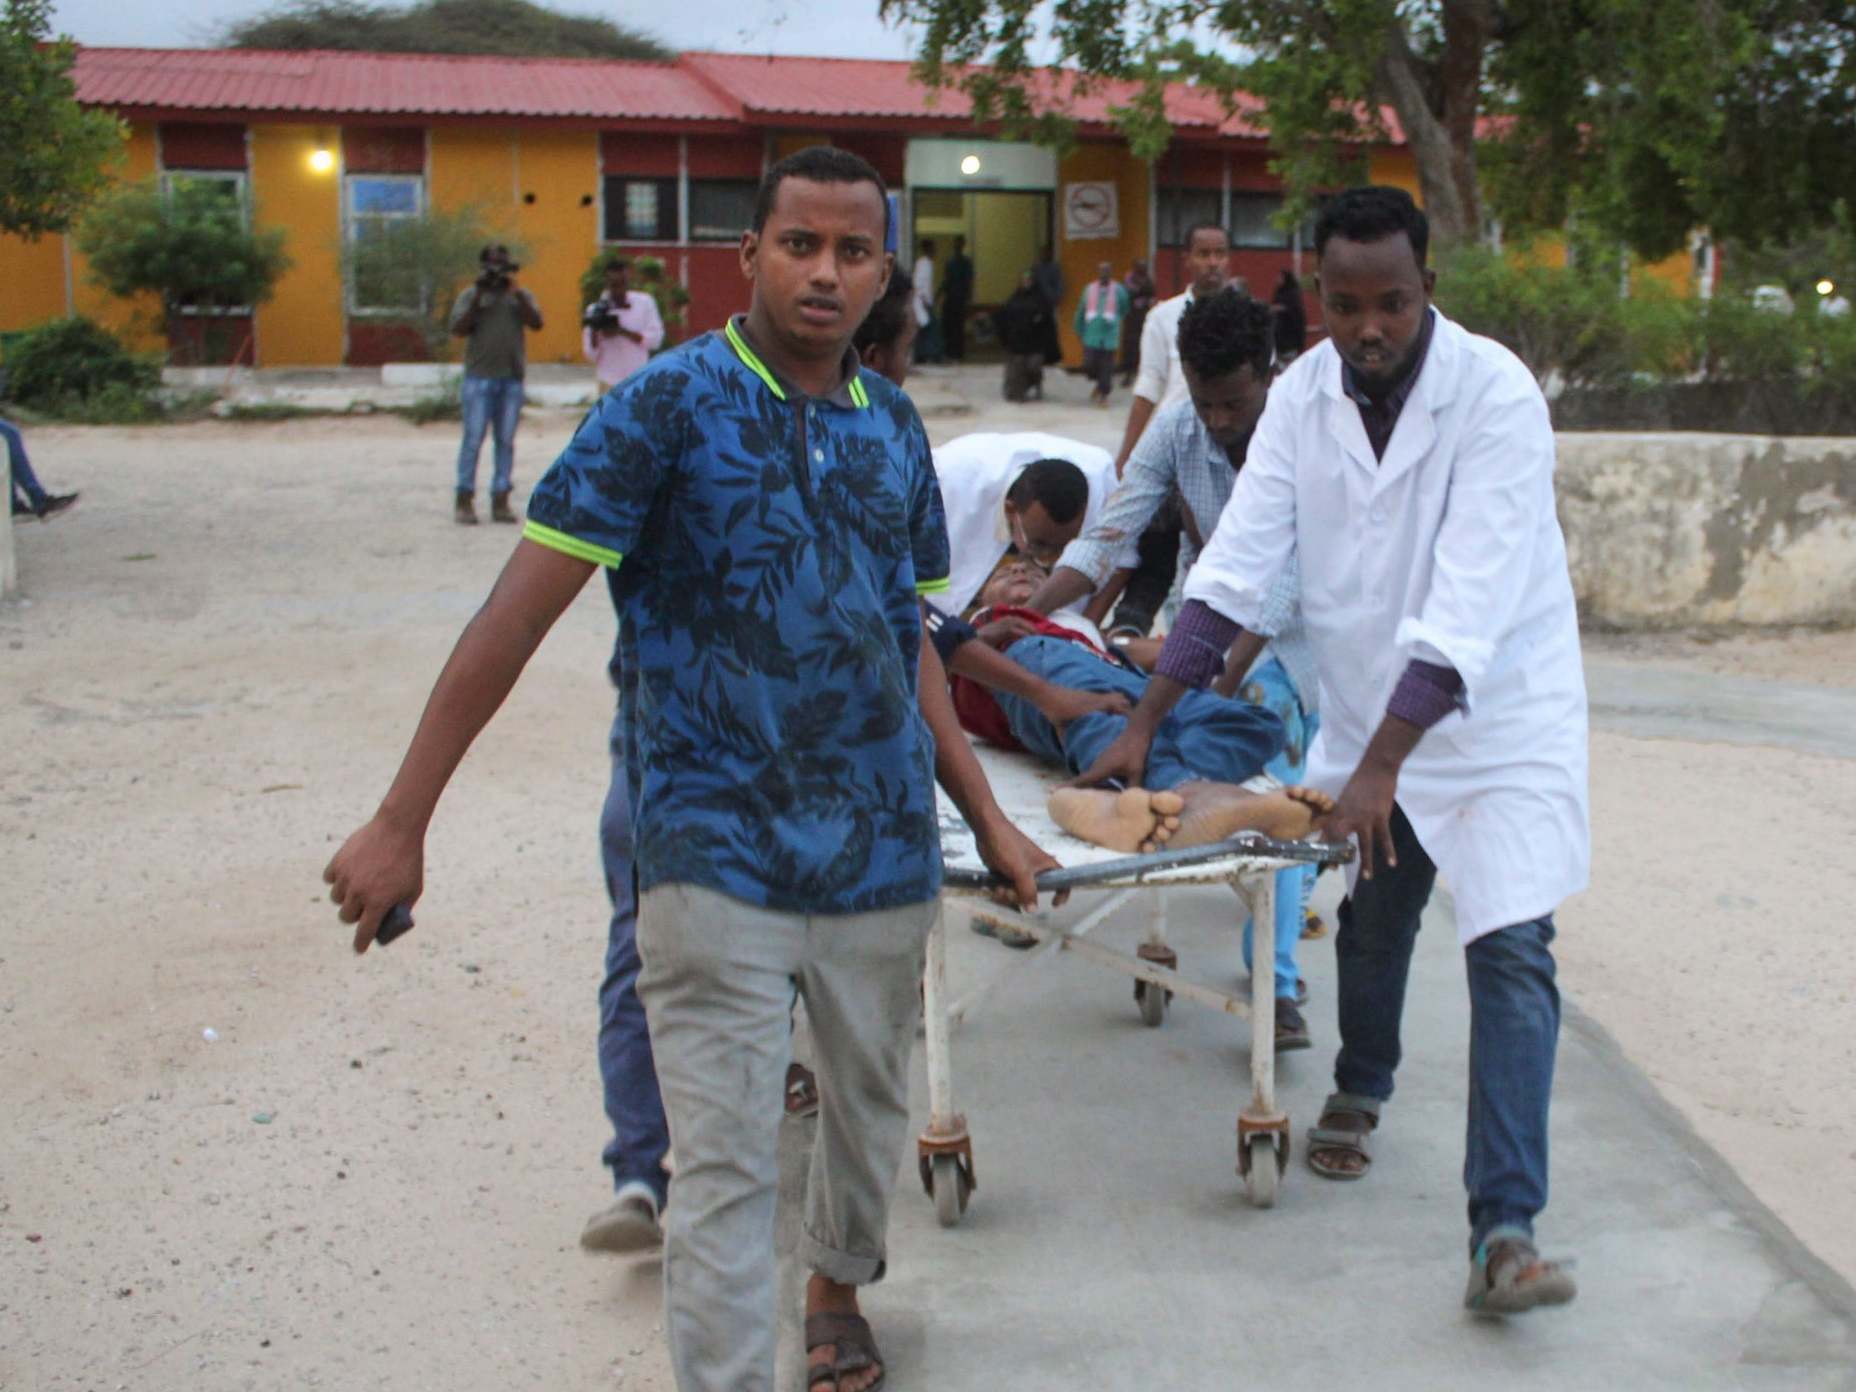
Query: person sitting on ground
{"x": 27, "y": 495}
{"x": 1035, "y": 697}
{"x": 1026, "y": 490}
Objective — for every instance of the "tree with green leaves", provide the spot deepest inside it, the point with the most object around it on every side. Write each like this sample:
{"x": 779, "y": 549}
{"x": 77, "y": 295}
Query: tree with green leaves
{"x": 1616, "y": 112}
{"x": 54, "y": 155}
{"x": 187, "y": 243}
{"x": 508, "y": 28}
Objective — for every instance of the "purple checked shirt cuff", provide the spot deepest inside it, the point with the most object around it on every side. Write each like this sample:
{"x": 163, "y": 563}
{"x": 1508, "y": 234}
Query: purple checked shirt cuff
{"x": 1195, "y": 649}
{"x": 1426, "y": 694}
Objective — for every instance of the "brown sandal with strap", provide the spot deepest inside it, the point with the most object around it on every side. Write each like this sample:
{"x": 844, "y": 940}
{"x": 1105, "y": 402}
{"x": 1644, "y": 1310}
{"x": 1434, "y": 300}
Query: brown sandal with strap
{"x": 853, "y": 1345}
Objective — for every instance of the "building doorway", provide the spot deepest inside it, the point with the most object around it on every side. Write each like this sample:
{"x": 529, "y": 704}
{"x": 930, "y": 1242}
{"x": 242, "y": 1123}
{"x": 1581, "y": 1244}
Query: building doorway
{"x": 1006, "y": 230}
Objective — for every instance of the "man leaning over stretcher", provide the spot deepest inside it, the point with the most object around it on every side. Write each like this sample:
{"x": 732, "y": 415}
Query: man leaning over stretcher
{"x": 1057, "y": 693}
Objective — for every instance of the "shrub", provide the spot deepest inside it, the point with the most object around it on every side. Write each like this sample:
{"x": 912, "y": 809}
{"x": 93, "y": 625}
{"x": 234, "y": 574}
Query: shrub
{"x": 649, "y": 277}
{"x": 187, "y": 244}
{"x": 73, "y": 361}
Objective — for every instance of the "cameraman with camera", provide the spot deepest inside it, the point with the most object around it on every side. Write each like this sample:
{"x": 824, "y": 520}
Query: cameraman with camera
{"x": 619, "y": 330}
{"x": 493, "y": 314}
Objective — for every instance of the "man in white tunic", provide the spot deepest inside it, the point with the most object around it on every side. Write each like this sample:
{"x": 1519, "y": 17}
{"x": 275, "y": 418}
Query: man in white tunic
{"x": 1407, "y": 466}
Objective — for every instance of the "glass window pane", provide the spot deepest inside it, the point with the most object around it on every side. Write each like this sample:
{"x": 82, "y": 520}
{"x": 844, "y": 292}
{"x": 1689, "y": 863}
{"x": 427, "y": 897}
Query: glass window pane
{"x": 383, "y": 195}
{"x": 721, "y": 211}
{"x": 1250, "y": 220}
{"x": 1182, "y": 209}
{"x": 641, "y": 210}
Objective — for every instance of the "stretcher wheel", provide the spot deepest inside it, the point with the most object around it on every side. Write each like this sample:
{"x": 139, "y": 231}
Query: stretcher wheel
{"x": 950, "y": 1189}
{"x": 1265, "y": 1172}
{"x": 1152, "y": 1001}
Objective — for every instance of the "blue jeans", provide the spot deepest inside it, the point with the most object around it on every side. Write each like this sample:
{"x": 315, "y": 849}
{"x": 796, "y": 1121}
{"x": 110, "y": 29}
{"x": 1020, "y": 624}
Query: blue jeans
{"x": 25, "y": 482}
{"x": 1514, "y": 1024}
{"x": 1205, "y": 736}
{"x": 1269, "y": 686}
{"x": 640, "y": 1135}
{"x": 493, "y": 404}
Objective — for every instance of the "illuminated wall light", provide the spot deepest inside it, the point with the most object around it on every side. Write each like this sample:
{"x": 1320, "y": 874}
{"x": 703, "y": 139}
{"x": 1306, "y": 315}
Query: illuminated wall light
{"x": 970, "y": 165}
{"x": 1826, "y": 287}
{"x": 322, "y": 160}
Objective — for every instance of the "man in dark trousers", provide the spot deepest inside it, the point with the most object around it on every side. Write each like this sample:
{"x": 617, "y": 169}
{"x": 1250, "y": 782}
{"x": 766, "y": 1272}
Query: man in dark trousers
{"x": 956, "y": 300}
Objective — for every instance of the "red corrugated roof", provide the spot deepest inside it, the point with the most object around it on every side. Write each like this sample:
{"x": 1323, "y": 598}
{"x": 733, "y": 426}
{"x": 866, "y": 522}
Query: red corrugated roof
{"x": 696, "y": 87}
{"x": 878, "y": 89}
{"x": 393, "y": 84}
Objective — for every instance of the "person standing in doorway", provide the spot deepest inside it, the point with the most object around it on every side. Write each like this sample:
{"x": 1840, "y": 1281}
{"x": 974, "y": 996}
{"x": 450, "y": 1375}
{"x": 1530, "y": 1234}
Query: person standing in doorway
{"x": 1023, "y": 324}
{"x": 928, "y": 334}
{"x": 621, "y": 329}
{"x": 1139, "y": 283}
{"x": 493, "y": 315}
{"x": 956, "y": 300}
{"x": 1101, "y": 310}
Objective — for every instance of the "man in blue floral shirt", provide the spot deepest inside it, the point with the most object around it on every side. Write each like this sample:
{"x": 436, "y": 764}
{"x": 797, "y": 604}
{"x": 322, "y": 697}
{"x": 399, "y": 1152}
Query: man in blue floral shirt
{"x": 768, "y": 514}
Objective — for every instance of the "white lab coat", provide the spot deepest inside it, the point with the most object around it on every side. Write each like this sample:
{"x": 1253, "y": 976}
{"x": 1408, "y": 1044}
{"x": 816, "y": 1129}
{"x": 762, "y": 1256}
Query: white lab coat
{"x": 1448, "y": 550}
{"x": 924, "y": 290}
{"x": 974, "y": 472}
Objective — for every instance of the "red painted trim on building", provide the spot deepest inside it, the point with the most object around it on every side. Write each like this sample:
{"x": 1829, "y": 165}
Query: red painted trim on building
{"x": 198, "y": 145}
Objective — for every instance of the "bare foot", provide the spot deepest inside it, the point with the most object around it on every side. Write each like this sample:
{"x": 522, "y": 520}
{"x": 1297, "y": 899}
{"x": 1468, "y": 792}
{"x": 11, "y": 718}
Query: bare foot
{"x": 1215, "y": 811}
{"x": 1131, "y": 820}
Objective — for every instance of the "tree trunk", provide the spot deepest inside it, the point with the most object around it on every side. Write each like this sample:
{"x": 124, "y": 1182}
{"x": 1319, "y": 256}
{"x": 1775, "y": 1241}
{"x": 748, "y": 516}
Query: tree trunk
{"x": 1438, "y": 106}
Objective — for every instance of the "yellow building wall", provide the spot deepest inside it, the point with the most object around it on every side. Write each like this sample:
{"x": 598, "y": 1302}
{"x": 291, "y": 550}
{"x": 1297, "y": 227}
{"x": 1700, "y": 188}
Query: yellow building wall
{"x": 1089, "y": 163}
{"x": 302, "y": 323}
{"x": 560, "y": 229}
{"x": 138, "y": 321}
{"x": 33, "y": 274}
{"x": 493, "y": 170}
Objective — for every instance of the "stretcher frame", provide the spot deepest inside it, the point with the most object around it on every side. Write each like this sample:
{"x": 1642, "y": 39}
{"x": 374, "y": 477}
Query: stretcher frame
{"x": 1247, "y": 863}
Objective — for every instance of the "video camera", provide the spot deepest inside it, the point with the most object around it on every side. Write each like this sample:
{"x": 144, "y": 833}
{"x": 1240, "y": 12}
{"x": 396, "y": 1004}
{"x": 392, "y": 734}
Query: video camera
{"x": 600, "y": 317}
{"x": 497, "y": 269}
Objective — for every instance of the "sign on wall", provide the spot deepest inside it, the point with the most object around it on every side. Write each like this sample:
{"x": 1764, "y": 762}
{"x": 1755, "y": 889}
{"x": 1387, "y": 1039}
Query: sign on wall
{"x": 1090, "y": 211}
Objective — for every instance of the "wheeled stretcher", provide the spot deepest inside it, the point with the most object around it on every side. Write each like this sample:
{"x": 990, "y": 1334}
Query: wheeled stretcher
{"x": 1248, "y": 863}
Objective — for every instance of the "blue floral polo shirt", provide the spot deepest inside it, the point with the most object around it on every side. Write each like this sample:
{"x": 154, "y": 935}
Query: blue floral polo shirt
{"x": 765, "y": 552}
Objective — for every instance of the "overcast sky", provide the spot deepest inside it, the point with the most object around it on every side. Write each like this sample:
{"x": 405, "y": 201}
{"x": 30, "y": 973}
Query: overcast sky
{"x": 839, "y": 28}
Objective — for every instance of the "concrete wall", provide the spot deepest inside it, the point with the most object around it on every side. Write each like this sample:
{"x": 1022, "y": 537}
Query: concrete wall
{"x": 1666, "y": 531}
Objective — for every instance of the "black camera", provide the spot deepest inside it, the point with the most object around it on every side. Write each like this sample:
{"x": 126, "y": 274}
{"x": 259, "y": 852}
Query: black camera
{"x": 493, "y": 280}
{"x": 600, "y": 317}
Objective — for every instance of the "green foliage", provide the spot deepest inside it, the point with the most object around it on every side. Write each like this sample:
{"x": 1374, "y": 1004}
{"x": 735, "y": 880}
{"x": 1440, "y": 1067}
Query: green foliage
{"x": 188, "y": 245}
{"x": 1640, "y": 118}
{"x": 507, "y": 28}
{"x": 410, "y": 270}
{"x": 54, "y": 155}
{"x": 70, "y": 361}
{"x": 649, "y": 277}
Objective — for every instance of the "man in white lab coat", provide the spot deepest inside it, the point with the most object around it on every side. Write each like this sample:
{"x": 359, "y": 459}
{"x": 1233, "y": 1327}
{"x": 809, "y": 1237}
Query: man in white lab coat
{"x": 1407, "y": 466}
{"x": 994, "y": 499}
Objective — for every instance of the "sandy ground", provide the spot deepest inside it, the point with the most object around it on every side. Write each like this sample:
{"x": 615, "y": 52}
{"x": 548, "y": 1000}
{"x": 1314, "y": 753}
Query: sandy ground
{"x": 373, "y": 1173}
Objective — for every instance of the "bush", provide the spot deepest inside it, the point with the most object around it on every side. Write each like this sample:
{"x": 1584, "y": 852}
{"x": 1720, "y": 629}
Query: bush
{"x": 648, "y": 277}
{"x": 57, "y": 366}
{"x": 187, "y": 244}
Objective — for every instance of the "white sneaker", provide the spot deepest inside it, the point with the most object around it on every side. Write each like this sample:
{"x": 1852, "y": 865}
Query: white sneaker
{"x": 629, "y": 1224}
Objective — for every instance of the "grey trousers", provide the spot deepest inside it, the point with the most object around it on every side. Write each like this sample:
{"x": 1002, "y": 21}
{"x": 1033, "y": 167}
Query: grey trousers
{"x": 718, "y": 983}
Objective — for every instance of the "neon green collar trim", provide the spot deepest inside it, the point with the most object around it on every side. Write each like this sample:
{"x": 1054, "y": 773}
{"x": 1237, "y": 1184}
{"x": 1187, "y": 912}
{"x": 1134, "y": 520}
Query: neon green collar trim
{"x": 853, "y": 389}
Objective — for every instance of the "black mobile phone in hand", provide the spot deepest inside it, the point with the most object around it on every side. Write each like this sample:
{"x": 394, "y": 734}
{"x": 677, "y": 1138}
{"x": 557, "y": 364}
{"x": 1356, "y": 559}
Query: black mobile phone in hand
{"x": 396, "y": 924}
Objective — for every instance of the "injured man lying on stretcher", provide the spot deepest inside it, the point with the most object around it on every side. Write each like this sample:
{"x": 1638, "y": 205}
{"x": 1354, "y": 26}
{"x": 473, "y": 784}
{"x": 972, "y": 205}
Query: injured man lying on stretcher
{"x": 1056, "y": 692}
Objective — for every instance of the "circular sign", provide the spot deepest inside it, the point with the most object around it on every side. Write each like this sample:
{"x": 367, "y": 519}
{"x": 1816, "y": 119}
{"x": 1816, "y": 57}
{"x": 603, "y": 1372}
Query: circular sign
{"x": 1090, "y": 207}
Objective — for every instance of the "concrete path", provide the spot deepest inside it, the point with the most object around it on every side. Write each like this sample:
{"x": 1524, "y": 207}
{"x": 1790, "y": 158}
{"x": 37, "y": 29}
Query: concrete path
{"x": 1651, "y": 702}
{"x": 1109, "y": 1244}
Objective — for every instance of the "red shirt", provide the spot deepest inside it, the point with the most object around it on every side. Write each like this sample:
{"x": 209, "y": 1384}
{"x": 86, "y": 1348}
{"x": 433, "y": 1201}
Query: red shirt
{"x": 975, "y": 705}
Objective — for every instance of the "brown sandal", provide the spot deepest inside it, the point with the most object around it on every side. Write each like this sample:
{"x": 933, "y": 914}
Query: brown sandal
{"x": 854, "y": 1345}
{"x": 1343, "y": 1128}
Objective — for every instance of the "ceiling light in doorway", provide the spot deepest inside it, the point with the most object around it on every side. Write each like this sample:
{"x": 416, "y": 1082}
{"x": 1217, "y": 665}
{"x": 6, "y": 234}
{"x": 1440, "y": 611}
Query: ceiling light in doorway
{"x": 970, "y": 165}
